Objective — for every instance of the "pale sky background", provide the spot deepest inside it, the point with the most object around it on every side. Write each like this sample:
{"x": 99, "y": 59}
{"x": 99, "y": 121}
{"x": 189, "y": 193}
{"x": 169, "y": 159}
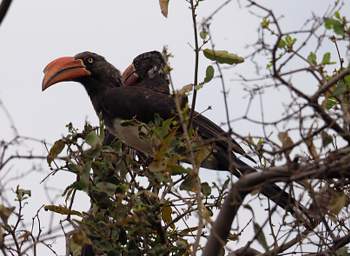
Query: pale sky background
{"x": 37, "y": 31}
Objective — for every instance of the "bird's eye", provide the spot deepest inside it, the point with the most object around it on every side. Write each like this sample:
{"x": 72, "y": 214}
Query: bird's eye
{"x": 90, "y": 60}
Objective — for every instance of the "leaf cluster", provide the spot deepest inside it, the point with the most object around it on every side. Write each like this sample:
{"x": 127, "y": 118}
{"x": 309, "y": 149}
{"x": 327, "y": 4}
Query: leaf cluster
{"x": 136, "y": 202}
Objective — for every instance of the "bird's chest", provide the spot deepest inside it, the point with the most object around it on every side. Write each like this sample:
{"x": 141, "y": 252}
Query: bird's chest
{"x": 131, "y": 135}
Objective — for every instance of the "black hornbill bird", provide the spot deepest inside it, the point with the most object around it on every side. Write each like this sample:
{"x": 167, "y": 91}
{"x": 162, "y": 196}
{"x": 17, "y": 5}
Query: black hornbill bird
{"x": 149, "y": 70}
{"x": 103, "y": 83}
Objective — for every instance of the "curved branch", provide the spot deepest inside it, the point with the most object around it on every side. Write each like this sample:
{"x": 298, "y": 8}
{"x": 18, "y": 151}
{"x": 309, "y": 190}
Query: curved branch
{"x": 338, "y": 164}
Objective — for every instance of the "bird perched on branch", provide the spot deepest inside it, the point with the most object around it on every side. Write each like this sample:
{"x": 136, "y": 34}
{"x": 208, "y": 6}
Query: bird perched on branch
{"x": 149, "y": 70}
{"x": 137, "y": 100}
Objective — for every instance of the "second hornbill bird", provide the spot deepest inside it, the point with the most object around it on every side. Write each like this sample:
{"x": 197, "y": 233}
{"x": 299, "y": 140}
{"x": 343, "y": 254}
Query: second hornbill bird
{"x": 104, "y": 85}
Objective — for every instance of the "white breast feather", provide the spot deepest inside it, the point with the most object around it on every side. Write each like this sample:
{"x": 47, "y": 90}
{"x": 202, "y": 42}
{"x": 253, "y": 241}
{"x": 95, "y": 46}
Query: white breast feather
{"x": 130, "y": 136}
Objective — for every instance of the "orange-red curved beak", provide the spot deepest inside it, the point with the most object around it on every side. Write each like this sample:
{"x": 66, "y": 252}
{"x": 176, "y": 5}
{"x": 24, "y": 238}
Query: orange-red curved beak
{"x": 130, "y": 76}
{"x": 63, "y": 69}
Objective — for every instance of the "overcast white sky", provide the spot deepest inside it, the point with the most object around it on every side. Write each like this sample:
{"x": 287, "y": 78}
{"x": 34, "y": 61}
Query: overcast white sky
{"x": 34, "y": 32}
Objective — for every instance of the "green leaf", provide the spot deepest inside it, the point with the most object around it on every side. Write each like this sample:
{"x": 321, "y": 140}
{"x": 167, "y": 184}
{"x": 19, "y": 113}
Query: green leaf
{"x": 281, "y": 44}
{"x": 93, "y": 139}
{"x": 326, "y": 60}
{"x": 209, "y": 74}
{"x": 265, "y": 23}
{"x": 338, "y": 28}
{"x": 326, "y": 139}
{"x": 55, "y": 150}
{"x": 336, "y": 25}
{"x": 287, "y": 43}
{"x": 312, "y": 58}
{"x": 290, "y": 41}
{"x": 260, "y": 236}
{"x": 328, "y": 23}
{"x": 205, "y": 188}
{"x": 331, "y": 102}
{"x": 203, "y": 34}
{"x": 269, "y": 65}
{"x": 222, "y": 56}
{"x": 337, "y": 15}
{"x": 260, "y": 142}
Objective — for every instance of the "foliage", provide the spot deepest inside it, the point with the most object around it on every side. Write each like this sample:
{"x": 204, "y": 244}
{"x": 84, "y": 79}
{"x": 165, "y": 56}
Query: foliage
{"x": 135, "y": 204}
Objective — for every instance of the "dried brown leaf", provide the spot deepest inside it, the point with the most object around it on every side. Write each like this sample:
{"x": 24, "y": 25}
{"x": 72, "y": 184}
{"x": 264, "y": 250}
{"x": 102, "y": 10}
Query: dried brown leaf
{"x": 164, "y": 4}
{"x": 287, "y": 142}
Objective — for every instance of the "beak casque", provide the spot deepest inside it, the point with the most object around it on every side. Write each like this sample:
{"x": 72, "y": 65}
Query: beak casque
{"x": 130, "y": 76}
{"x": 63, "y": 69}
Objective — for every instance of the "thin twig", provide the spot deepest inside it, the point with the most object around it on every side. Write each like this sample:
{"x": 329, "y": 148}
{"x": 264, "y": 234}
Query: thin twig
{"x": 196, "y": 64}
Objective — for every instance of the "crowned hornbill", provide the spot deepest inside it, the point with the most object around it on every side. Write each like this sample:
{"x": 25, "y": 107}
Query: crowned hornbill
{"x": 148, "y": 70}
{"x": 116, "y": 103}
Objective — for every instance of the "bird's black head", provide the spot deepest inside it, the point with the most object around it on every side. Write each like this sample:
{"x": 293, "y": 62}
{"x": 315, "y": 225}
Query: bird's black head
{"x": 88, "y": 68}
{"x": 149, "y": 64}
{"x": 148, "y": 70}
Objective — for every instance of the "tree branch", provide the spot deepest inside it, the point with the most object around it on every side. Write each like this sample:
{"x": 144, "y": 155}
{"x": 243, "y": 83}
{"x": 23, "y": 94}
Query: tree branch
{"x": 4, "y": 7}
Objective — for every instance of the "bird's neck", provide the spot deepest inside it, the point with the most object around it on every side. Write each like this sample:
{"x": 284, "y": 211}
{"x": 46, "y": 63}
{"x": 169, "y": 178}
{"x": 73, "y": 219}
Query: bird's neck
{"x": 95, "y": 89}
{"x": 158, "y": 83}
